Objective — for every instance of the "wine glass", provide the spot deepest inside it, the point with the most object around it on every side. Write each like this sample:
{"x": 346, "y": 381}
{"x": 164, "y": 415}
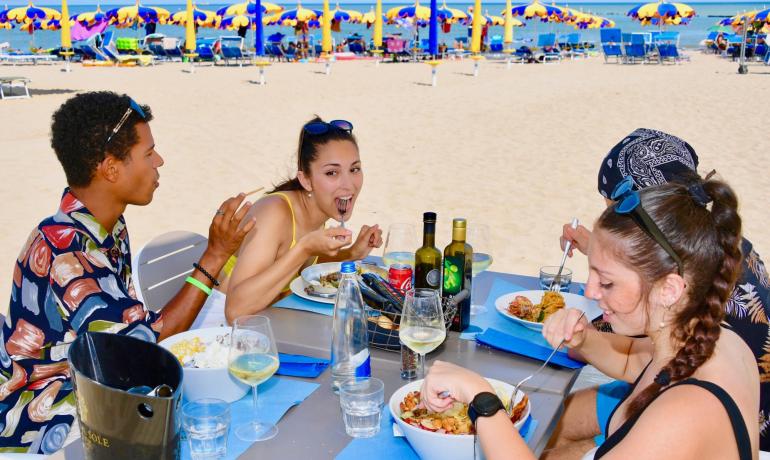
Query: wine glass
{"x": 400, "y": 245}
{"x": 479, "y": 239}
{"x": 253, "y": 359}
{"x": 422, "y": 326}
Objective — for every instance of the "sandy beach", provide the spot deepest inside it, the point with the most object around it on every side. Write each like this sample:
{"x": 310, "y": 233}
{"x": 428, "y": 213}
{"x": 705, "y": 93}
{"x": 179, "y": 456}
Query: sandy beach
{"x": 516, "y": 149}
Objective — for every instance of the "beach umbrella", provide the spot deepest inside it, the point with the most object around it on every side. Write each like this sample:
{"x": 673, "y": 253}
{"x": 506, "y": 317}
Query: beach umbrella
{"x": 486, "y": 19}
{"x": 659, "y": 10}
{"x": 415, "y": 11}
{"x": 508, "y": 26}
{"x": 536, "y": 9}
{"x": 31, "y": 13}
{"x": 476, "y": 28}
{"x": 248, "y": 8}
{"x": 719, "y": 29}
{"x": 762, "y": 16}
{"x": 127, "y": 16}
{"x": 433, "y": 29}
{"x": 92, "y": 18}
{"x": 379, "y": 18}
{"x": 189, "y": 29}
{"x": 66, "y": 35}
{"x": 203, "y": 18}
{"x": 300, "y": 14}
{"x": 326, "y": 31}
{"x": 340, "y": 15}
{"x": 240, "y": 20}
{"x": 450, "y": 15}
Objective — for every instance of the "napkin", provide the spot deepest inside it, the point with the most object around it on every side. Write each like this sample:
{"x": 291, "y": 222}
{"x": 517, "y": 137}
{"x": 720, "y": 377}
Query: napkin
{"x": 295, "y": 302}
{"x": 276, "y": 397}
{"x": 301, "y": 366}
{"x": 525, "y": 347}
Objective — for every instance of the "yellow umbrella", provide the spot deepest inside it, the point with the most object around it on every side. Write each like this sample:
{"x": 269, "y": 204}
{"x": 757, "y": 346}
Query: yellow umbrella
{"x": 476, "y": 30}
{"x": 31, "y": 13}
{"x": 377, "y": 35}
{"x": 66, "y": 36}
{"x": 455, "y": 15}
{"x": 326, "y": 32}
{"x": 416, "y": 11}
{"x": 189, "y": 36}
{"x": 248, "y": 8}
{"x": 508, "y": 29}
{"x": 203, "y": 18}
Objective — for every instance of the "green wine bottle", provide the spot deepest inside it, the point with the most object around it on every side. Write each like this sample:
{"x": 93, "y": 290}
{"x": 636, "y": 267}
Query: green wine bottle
{"x": 458, "y": 273}
{"x": 427, "y": 259}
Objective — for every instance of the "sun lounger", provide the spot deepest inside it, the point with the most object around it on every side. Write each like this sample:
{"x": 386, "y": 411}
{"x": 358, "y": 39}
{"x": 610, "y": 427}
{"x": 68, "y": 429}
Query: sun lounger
{"x": 232, "y": 49}
{"x": 575, "y": 48}
{"x": 122, "y": 59}
{"x": 547, "y": 45}
{"x": 7, "y": 84}
{"x": 635, "y": 49}
{"x": 611, "y": 40}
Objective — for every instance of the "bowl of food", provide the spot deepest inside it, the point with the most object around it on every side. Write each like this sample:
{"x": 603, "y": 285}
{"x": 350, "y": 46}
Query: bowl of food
{"x": 203, "y": 355}
{"x": 323, "y": 279}
{"x": 448, "y": 435}
{"x": 532, "y": 308}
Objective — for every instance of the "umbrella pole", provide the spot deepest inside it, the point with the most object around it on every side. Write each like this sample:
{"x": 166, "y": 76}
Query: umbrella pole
{"x": 742, "y": 68}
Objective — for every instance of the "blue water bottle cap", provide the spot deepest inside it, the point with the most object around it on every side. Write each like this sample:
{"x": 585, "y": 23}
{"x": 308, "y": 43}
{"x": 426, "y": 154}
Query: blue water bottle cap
{"x": 348, "y": 267}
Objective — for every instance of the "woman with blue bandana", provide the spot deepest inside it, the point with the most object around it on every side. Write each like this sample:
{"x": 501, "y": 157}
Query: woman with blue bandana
{"x": 651, "y": 158}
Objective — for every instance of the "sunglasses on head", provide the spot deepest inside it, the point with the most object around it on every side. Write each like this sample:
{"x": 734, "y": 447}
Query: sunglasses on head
{"x": 132, "y": 107}
{"x": 628, "y": 201}
{"x": 321, "y": 127}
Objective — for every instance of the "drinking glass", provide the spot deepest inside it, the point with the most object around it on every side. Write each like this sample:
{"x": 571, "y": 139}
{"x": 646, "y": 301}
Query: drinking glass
{"x": 422, "y": 326}
{"x": 206, "y": 422}
{"x": 253, "y": 359}
{"x": 400, "y": 245}
{"x": 547, "y": 275}
{"x": 362, "y": 401}
{"x": 478, "y": 237}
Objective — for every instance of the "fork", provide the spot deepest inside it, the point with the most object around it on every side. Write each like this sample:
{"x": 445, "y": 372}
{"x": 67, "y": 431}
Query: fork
{"x": 509, "y": 410}
{"x": 556, "y": 282}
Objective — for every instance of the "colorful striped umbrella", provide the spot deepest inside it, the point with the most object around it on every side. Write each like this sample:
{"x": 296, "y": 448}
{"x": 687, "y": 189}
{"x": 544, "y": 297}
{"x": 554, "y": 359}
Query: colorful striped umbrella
{"x": 416, "y": 11}
{"x": 300, "y": 14}
{"x": 660, "y": 10}
{"x": 535, "y": 8}
{"x": 450, "y": 15}
{"x": 369, "y": 17}
{"x": 203, "y": 18}
{"x": 248, "y": 8}
{"x": 341, "y": 15}
{"x": 240, "y": 20}
{"x": 127, "y": 16}
{"x": 763, "y": 16}
{"x": 92, "y": 18}
{"x": 31, "y": 13}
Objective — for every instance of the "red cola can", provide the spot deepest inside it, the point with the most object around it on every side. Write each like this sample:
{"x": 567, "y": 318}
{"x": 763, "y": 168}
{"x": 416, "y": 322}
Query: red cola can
{"x": 400, "y": 277}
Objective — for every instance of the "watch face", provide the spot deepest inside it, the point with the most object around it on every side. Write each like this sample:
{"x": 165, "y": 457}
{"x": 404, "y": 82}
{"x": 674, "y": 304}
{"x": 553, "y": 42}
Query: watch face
{"x": 484, "y": 405}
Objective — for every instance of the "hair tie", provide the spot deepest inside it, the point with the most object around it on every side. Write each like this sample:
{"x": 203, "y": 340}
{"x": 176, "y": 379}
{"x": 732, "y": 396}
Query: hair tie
{"x": 663, "y": 378}
{"x": 699, "y": 195}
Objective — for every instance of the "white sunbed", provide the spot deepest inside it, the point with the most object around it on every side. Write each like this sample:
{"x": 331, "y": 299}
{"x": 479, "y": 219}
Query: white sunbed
{"x": 7, "y": 84}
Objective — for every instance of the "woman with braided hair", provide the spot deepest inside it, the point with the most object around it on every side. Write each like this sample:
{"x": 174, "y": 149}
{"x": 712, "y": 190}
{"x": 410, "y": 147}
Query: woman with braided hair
{"x": 662, "y": 263}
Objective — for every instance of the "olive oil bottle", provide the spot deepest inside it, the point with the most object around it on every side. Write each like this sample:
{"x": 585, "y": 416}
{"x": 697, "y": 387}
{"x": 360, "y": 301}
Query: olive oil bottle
{"x": 457, "y": 274}
{"x": 427, "y": 259}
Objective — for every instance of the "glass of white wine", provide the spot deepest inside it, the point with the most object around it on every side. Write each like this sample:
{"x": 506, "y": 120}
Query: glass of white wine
{"x": 422, "y": 326}
{"x": 478, "y": 237}
{"x": 400, "y": 245}
{"x": 253, "y": 359}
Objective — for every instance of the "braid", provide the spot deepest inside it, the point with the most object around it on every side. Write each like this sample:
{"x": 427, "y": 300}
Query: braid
{"x": 697, "y": 326}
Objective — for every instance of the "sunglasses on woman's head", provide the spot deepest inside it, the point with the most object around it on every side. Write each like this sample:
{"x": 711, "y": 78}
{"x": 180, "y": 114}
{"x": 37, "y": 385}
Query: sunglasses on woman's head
{"x": 628, "y": 201}
{"x": 321, "y": 127}
{"x": 132, "y": 107}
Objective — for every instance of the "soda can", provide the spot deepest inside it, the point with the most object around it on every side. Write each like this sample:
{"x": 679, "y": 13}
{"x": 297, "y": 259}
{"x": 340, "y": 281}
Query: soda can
{"x": 400, "y": 277}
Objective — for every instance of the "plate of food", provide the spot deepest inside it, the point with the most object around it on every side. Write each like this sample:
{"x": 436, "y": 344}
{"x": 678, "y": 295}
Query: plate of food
{"x": 532, "y": 308}
{"x": 448, "y": 435}
{"x": 320, "y": 281}
{"x": 203, "y": 354}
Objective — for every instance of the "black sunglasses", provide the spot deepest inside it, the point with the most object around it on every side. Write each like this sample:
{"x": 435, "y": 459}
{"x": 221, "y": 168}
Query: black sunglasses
{"x": 317, "y": 128}
{"x": 629, "y": 202}
{"x": 132, "y": 107}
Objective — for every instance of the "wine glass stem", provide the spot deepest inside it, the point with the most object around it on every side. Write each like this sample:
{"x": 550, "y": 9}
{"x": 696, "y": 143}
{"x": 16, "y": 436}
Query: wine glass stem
{"x": 422, "y": 365}
{"x": 254, "y": 397}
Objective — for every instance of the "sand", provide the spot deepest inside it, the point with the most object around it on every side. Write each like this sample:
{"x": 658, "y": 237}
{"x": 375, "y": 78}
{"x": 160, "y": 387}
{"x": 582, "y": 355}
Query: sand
{"x": 516, "y": 149}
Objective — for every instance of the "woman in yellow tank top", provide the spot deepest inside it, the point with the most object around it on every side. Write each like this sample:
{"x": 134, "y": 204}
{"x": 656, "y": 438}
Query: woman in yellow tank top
{"x": 290, "y": 234}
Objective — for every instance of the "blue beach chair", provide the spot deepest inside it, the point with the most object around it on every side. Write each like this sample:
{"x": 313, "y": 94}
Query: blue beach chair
{"x": 547, "y": 43}
{"x": 636, "y": 49}
{"x": 496, "y": 44}
{"x": 575, "y": 47}
{"x": 611, "y": 40}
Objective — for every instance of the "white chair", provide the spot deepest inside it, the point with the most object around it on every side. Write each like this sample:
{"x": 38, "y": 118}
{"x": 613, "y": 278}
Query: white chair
{"x": 161, "y": 266}
{"x": 7, "y": 84}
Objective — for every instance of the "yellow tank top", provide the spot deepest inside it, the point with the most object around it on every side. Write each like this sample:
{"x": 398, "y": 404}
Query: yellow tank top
{"x": 230, "y": 265}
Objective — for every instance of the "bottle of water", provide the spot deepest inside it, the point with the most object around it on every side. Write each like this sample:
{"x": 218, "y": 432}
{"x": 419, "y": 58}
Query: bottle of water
{"x": 350, "y": 349}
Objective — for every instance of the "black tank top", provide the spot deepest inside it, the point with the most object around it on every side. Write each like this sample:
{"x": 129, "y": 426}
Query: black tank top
{"x": 736, "y": 420}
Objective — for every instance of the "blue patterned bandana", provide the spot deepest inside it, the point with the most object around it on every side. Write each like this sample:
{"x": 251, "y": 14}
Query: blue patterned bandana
{"x": 650, "y": 157}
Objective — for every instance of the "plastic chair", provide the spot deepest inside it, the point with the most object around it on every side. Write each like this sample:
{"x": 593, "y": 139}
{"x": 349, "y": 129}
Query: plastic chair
{"x": 547, "y": 42}
{"x": 161, "y": 266}
{"x": 611, "y": 40}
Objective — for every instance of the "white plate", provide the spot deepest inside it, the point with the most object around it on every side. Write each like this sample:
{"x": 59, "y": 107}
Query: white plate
{"x": 439, "y": 446}
{"x": 298, "y": 287}
{"x": 311, "y": 275}
{"x": 571, "y": 300}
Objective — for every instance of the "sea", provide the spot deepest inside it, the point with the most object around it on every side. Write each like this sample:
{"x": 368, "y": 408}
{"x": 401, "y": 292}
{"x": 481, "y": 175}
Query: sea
{"x": 691, "y": 35}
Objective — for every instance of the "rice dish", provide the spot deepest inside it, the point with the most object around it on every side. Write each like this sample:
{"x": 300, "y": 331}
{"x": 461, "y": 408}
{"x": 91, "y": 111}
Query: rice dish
{"x": 196, "y": 353}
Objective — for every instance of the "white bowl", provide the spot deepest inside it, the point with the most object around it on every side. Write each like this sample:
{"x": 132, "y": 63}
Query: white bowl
{"x": 571, "y": 301}
{"x": 207, "y": 383}
{"x": 430, "y": 445}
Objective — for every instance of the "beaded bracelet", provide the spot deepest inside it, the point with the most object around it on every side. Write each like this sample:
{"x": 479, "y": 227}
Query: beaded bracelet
{"x": 199, "y": 285}
{"x": 213, "y": 280}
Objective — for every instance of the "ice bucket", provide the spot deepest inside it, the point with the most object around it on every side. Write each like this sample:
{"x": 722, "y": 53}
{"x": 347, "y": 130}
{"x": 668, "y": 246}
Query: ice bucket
{"x": 116, "y": 424}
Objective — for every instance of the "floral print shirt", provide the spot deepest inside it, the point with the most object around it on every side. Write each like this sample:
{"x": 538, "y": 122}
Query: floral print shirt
{"x": 72, "y": 276}
{"x": 746, "y": 313}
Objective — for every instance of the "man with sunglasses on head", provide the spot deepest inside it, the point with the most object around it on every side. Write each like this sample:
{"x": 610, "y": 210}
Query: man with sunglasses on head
{"x": 74, "y": 273}
{"x": 647, "y": 158}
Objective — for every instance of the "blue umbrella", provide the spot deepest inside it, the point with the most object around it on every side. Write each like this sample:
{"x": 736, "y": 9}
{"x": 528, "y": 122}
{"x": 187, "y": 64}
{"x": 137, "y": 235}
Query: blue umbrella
{"x": 433, "y": 31}
{"x": 259, "y": 33}
{"x": 276, "y": 37}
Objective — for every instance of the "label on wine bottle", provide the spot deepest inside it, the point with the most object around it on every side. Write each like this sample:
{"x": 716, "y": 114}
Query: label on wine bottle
{"x": 453, "y": 274}
{"x": 433, "y": 278}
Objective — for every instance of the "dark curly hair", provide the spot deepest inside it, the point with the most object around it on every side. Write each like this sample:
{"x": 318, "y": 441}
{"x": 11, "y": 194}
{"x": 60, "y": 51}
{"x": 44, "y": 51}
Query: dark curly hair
{"x": 81, "y": 126}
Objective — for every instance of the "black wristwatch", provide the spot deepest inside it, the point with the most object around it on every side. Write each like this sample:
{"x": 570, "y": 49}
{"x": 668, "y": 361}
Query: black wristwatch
{"x": 485, "y": 404}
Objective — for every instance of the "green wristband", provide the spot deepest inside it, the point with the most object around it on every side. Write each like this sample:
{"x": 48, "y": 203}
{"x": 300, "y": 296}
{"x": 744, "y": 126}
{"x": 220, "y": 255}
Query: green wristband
{"x": 199, "y": 285}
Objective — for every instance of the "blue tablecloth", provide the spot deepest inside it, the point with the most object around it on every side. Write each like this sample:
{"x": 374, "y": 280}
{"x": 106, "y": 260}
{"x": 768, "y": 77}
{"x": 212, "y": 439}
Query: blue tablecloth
{"x": 276, "y": 397}
{"x": 492, "y": 318}
{"x": 386, "y": 446}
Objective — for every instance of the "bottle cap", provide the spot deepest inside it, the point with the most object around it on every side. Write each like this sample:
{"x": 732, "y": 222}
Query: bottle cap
{"x": 348, "y": 267}
{"x": 429, "y": 217}
{"x": 459, "y": 222}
